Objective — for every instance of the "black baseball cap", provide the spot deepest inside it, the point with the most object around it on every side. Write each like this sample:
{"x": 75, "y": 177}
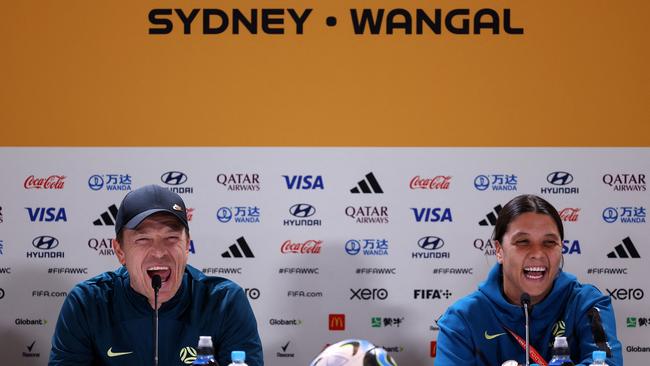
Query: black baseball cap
{"x": 145, "y": 201}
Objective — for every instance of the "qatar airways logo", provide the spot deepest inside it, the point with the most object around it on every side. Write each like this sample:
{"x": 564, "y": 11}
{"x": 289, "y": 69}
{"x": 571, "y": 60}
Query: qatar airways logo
{"x": 435, "y": 183}
{"x": 307, "y": 247}
{"x": 569, "y": 214}
{"x": 51, "y": 182}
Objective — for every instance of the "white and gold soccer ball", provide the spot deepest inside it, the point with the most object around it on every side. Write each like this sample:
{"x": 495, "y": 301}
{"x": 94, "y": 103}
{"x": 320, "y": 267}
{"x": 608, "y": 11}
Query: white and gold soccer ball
{"x": 353, "y": 352}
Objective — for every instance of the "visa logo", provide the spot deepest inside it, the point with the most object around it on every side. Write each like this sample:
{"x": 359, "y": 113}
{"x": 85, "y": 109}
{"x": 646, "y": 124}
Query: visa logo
{"x": 570, "y": 247}
{"x": 436, "y": 214}
{"x": 304, "y": 182}
{"x": 46, "y": 214}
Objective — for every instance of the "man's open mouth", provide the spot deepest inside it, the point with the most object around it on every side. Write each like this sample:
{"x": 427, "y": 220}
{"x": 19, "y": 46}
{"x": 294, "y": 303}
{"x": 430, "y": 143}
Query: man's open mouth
{"x": 163, "y": 271}
{"x": 534, "y": 273}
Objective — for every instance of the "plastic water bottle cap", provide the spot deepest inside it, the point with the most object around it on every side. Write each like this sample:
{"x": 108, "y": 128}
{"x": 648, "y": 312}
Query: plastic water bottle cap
{"x": 599, "y": 355}
{"x": 205, "y": 341}
{"x": 239, "y": 356}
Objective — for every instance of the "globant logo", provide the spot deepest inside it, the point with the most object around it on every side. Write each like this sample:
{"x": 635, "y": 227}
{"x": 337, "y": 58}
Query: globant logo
{"x": 438, "y": 182}
{"x": 239, "y": 214}
{"x": 2, "y": 244}
{"x": 368, "y": 214}
{"x": 430, "y": 246}
{"x": 626, "y": 182}
{"x": 1, "y": 219}
{"x": 46, "y": 214}
{"x": 626, "y": 215}
{"x": 110, "y": 182}
{"x": 637, "y": 349}
{"x": 486, "y": 246}
{"x": 571, "y": 247}
{"x": 436, "y": 214}
{"x": 304, "y": 182}
{"x": 308, "y": 247}
{"x": 274, "y": 321}
{"x": 240, "y": 182}
{"x": 302, "y": 213}
{"x": 175, "y": 181}
{"x": 51, "y": 182}
{"x": 560, "y": 181}
{"x": 496, "y": 182}
{"x": 569, "y": 214}
{"x": 27, "y": 321}
{"x": 45, "y": 243}
{"x": 103, "y": 246}
{"x": 367, "y": 246}
{"x": 2, "y": 293}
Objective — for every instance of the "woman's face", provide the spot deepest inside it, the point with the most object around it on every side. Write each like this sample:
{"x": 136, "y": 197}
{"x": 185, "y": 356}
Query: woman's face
{"x": 530, "y": 252}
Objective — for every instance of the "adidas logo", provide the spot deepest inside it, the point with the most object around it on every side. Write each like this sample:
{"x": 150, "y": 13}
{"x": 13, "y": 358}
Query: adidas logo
{"x": 368, "y": 185}
{"x": 238, "y": 250}
{"x": 107, "y": 218}
{"x": 624, "y": 250}
{"x": 491, "y": 218}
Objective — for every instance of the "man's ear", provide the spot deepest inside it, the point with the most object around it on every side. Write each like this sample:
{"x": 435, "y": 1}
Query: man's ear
{"x": 499, "y": 250}
{"x": 119, "y": 252}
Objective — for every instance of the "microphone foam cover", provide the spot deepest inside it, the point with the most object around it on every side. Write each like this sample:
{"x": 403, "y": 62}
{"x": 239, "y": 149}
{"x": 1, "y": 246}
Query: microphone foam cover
{"x": 156, "y": 282}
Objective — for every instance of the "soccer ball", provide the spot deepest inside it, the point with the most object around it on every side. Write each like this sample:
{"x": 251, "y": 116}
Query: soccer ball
{"x": 353, "y": 352}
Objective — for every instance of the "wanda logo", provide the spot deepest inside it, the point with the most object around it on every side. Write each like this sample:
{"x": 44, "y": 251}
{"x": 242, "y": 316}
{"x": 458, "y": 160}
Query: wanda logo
{"x": 51, "y": 182}
{"x": 308, "y": 247}
{"x": 437, "y": 182}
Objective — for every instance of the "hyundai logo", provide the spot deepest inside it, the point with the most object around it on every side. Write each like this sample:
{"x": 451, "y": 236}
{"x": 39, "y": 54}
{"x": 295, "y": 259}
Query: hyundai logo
{"x": 352, "y": 247}
{"x": 559, "y": 178}
{"x": 481, "y": 182}
{"x": 45, "y": 242}
{"x": 95, "y": 182}
{"x": 224, "y": 214}
{"x": 302, "y": 210}
{"x": 431, "y": 243}
{"x": 173, "y": 178}
{"x": 610, "y": 214}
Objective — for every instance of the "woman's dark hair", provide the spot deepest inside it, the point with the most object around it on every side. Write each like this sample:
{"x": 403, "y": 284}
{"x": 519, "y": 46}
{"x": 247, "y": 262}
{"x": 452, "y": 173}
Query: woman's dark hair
{"x": 522, "y": 204}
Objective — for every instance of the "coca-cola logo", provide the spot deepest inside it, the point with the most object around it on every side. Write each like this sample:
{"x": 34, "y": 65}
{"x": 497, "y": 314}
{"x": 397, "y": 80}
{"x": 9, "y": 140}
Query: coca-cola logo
{"x": 308, "y": 247}
{"x": 437, "y": 182}
{"x": 569, "y": 214}
{"x": 51, "y": 182}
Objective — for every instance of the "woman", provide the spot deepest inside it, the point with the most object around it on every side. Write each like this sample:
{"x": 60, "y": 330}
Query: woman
{"x": 488, "y": 326}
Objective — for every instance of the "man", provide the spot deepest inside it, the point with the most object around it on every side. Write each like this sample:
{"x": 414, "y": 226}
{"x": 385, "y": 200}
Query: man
{"x": 488, "y": 326}
{"x": 108, "y": 319}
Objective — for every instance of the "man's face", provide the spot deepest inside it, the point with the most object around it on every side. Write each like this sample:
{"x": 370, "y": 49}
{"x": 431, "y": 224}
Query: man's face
{"x": 530, "y": 253}
{"x": 159, "y": 245}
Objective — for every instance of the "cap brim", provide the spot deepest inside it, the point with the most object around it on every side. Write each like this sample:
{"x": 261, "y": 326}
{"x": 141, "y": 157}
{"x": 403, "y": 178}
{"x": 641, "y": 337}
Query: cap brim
{"x": 137, "y": 219}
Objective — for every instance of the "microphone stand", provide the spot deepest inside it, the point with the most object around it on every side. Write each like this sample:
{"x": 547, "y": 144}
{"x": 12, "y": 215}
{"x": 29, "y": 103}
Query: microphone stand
{"x": 156, "y": 282}
{"x": 525, "y": 301}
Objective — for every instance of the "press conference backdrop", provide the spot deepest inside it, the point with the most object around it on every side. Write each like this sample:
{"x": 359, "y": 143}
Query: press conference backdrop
{"x": 329, "y": 243}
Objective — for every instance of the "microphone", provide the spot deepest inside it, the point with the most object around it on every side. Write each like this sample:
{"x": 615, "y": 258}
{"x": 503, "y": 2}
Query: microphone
{"x": 156, "y": 282}
{"x": 525, "y": 302}
{"x": 598, "y": 332}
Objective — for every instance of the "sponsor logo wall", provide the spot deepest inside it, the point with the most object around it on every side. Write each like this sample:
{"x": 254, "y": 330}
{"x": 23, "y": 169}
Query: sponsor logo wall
{"x": 328, "y": 243}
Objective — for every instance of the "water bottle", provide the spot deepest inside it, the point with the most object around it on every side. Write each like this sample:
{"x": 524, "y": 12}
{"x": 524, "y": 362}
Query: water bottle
{"x": 599, "y": 358}
{"x": 238, "y": 358}
{"x": 205, "y": 353}
{"x": 561, "y": 352}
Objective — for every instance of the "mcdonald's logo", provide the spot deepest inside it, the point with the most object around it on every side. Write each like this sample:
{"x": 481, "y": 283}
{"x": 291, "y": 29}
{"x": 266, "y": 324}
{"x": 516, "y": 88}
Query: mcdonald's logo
{"x": 337, "y": 322}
